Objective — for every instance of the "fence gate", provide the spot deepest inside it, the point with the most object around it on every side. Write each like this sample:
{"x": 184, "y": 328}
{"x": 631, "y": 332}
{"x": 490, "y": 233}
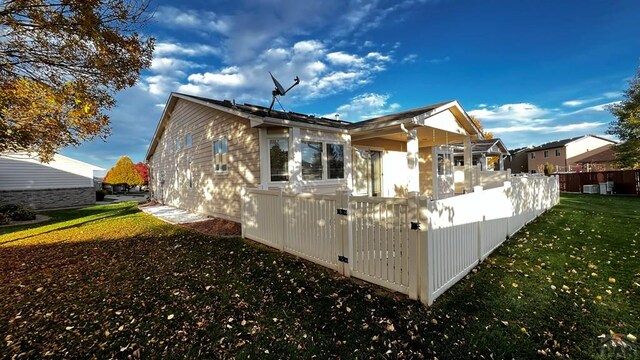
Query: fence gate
{"x": 380, "y": 241}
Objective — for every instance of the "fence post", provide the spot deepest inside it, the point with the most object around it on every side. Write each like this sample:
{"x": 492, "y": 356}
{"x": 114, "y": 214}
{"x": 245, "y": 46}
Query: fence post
{"x": 424, "y": 210}
{"x": 481, "y": 229}
{"x": 243, "y": 219}
{"x": 414, "y": 254}
{"x": 344, "y": 243}
{"x": 282, "y": 225}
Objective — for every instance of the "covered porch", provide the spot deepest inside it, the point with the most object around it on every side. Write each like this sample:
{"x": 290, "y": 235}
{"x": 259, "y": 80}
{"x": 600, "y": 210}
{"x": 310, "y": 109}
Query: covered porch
{"x": 412, "y": 152}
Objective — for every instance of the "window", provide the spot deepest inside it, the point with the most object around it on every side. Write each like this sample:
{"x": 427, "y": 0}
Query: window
{"x": 220, "y": 155}
{"x": 557, "y": 152}
{"x": 322, "y": 161}
{"x": 546, "y": 153}
{"x": 178, "y": 144}
{"x": 335, "y": 161}
{"x": 279, "y": 159}
{"x": 187, "y": 141}
{"x": 311, "y": 160}
{"x": 533, "y": 155}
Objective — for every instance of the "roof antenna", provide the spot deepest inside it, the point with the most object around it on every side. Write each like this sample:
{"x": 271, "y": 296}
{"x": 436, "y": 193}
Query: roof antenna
{"x": 280, "y": 91}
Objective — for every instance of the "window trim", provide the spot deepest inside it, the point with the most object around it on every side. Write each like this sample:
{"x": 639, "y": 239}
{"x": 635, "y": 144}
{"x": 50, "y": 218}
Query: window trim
{"x": 533, "y": 156}
{"x": 190, "y": 137}
{"x": 213, "y": 148}
{"x": 558, "y": 152}
{"x": 325, "y": 164}
{"x": 545, "y": 154}
{"x": 279, "y": 137}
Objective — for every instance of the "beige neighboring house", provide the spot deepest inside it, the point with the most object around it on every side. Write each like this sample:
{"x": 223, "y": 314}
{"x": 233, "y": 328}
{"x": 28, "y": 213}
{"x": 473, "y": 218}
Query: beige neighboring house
{"x": 204, "y": 151}
{"x": 63, "y": 182}
{"x": 566, "y": 154}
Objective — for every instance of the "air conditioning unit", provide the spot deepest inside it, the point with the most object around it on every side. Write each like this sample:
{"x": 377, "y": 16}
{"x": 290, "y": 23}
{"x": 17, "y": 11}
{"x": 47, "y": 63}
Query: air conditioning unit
{"x": 591, "y": 189}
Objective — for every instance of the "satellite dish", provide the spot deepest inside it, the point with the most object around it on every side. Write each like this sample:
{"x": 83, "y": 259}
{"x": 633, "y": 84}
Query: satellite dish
{"x": 280, "y": 91}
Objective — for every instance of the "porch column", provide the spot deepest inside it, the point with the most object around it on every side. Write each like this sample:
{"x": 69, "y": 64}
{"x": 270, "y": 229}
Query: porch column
{"x": 295, "y": 160}
{"x": 468, "y": 163}
{"x": 413, "y": 177}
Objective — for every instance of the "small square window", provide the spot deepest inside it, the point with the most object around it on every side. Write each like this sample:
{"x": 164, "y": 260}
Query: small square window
{"x": 546, "y": 153}
{"x": 557, "y": 152}
{"x": 533, "y": 155}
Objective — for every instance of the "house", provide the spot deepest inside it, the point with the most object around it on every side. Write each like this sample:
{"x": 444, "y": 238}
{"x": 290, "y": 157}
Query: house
{"x": 481, "y": 151}
{"x": 517, "y": 161}
{"x": 564, "y": 154}
{"x": 63, "y": 182}
{"x": 599, "y": 161}
{"x": 204, "y": 151}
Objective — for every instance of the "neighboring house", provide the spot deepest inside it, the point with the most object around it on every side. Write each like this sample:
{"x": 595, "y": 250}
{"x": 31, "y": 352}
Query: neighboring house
{"x": 600, "y": 161}
{"x": 63, "y": 182}
{"x": 517, "y": 161}
{"x": 205, "y": 151}
{"x": 564, "y": 154}
{"x": 481, "y": 151}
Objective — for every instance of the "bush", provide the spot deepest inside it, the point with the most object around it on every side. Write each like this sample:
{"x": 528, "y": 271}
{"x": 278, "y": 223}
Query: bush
{"x": 549, "y": 169}
{"x": 23, "y": 214}
{"x": 100, "y": 195}
{"x": 17, "y": 212}
{"x": 4, "y": 218}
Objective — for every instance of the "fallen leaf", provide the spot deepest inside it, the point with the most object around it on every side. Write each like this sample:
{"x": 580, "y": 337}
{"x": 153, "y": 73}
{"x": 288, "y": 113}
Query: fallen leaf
{"x": 170, "y": 317}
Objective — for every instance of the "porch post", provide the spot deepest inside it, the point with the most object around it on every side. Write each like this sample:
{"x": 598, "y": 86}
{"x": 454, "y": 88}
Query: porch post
{"x": 413, "y": 178}
{"x": 468, "y": 163}
{"x": 295, "y": 160}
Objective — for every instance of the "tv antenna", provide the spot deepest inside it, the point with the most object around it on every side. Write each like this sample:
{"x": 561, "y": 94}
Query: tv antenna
{"x": 280, "y": 91}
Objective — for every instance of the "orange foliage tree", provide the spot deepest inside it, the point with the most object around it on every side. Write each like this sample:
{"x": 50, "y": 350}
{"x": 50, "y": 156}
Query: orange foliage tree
{"x": 61, "y": 63}
{"x": 124, "y": 172}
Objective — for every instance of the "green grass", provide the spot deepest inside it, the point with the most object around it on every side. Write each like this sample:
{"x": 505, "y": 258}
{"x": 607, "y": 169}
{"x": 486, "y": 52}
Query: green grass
{"x": 109, "y": 281}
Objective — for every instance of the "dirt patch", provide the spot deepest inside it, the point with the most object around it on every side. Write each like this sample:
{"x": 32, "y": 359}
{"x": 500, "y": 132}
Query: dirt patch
{"x": 216, "y": 226}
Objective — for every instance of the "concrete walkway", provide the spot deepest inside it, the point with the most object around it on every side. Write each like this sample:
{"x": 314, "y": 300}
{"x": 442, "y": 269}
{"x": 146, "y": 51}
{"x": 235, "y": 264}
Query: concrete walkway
{"x": 172, "y": 215}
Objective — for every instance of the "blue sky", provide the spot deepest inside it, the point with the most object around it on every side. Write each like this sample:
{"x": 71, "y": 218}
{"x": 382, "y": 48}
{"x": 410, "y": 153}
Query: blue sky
{"x": 532, "y": 71}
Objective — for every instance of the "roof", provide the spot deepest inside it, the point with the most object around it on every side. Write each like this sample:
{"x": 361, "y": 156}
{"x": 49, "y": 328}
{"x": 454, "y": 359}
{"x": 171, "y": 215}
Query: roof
{"x": 518, "y": 150}
{"x": 260, "y": 114}
{"x": 262, "y": 111}
{"x": 483, "y": 146}
{"x": 554, "y": 144}
{"x": 608, "y": 155}
{"x": 564, "y": 142}
{"x": 399, "y": 116}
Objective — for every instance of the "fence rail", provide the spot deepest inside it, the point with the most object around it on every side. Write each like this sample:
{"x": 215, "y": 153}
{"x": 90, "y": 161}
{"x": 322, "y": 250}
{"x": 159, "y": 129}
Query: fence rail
{"x": 415, "y": 245}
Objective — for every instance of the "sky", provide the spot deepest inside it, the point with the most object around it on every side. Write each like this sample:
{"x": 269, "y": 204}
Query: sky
{"x": 531, "y": 71}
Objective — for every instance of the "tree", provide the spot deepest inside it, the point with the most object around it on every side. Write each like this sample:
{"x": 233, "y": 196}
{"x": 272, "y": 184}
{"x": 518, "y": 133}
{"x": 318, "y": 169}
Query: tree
{"x": 143, "y": 170}
{"x": 478, "y": 124}
{"x": 627, "y": 125}
{"x": 61, "y": 63}
{"x": 124, "y": 173}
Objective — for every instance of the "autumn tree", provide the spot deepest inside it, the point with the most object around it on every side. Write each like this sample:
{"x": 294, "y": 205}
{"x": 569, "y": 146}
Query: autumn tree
{"x": 627, "y": 125}
{"x": 478, "y": 124}
{"x": 143, "y": 170}
{"x": 124, "y": 172}
{"x": 61, "y": 64}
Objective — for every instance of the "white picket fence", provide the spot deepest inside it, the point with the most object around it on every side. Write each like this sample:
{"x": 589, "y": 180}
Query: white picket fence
{"x": 414, "y": 246}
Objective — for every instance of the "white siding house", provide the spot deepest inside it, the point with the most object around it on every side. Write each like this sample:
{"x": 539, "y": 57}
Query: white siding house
{"x": 63, "y": 182}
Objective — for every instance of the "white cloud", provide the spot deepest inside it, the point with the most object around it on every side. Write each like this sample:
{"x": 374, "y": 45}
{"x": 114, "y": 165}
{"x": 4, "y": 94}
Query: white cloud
{"x": 365, "y": 106}
{"x": 437, "y": 61}
{"x": 510, "y": 112}
{"x": 612, "y": 94}
{"x": 546, "y": 129}
{"x": 409, "y": 59}
{"x": 597, "y": 108}
{"x": 308, "y": 46}
{"x": 169, "y": 65}
{"x": 196, "y": 20}
{"x": 342, "y": 58}
{"x": 573, "y": 103}
{"x": 167, "y": 48}
{"x": 222, "y": 78}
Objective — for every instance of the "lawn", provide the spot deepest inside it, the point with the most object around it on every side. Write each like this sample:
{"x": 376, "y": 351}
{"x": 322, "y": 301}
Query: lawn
{"x": 110, "y": 281}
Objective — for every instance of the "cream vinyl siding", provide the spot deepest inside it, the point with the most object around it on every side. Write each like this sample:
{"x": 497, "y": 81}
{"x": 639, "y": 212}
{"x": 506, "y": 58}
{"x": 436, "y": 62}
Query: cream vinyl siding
{"x": 19, "y": 171}
{"x": 211, "y": 193}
